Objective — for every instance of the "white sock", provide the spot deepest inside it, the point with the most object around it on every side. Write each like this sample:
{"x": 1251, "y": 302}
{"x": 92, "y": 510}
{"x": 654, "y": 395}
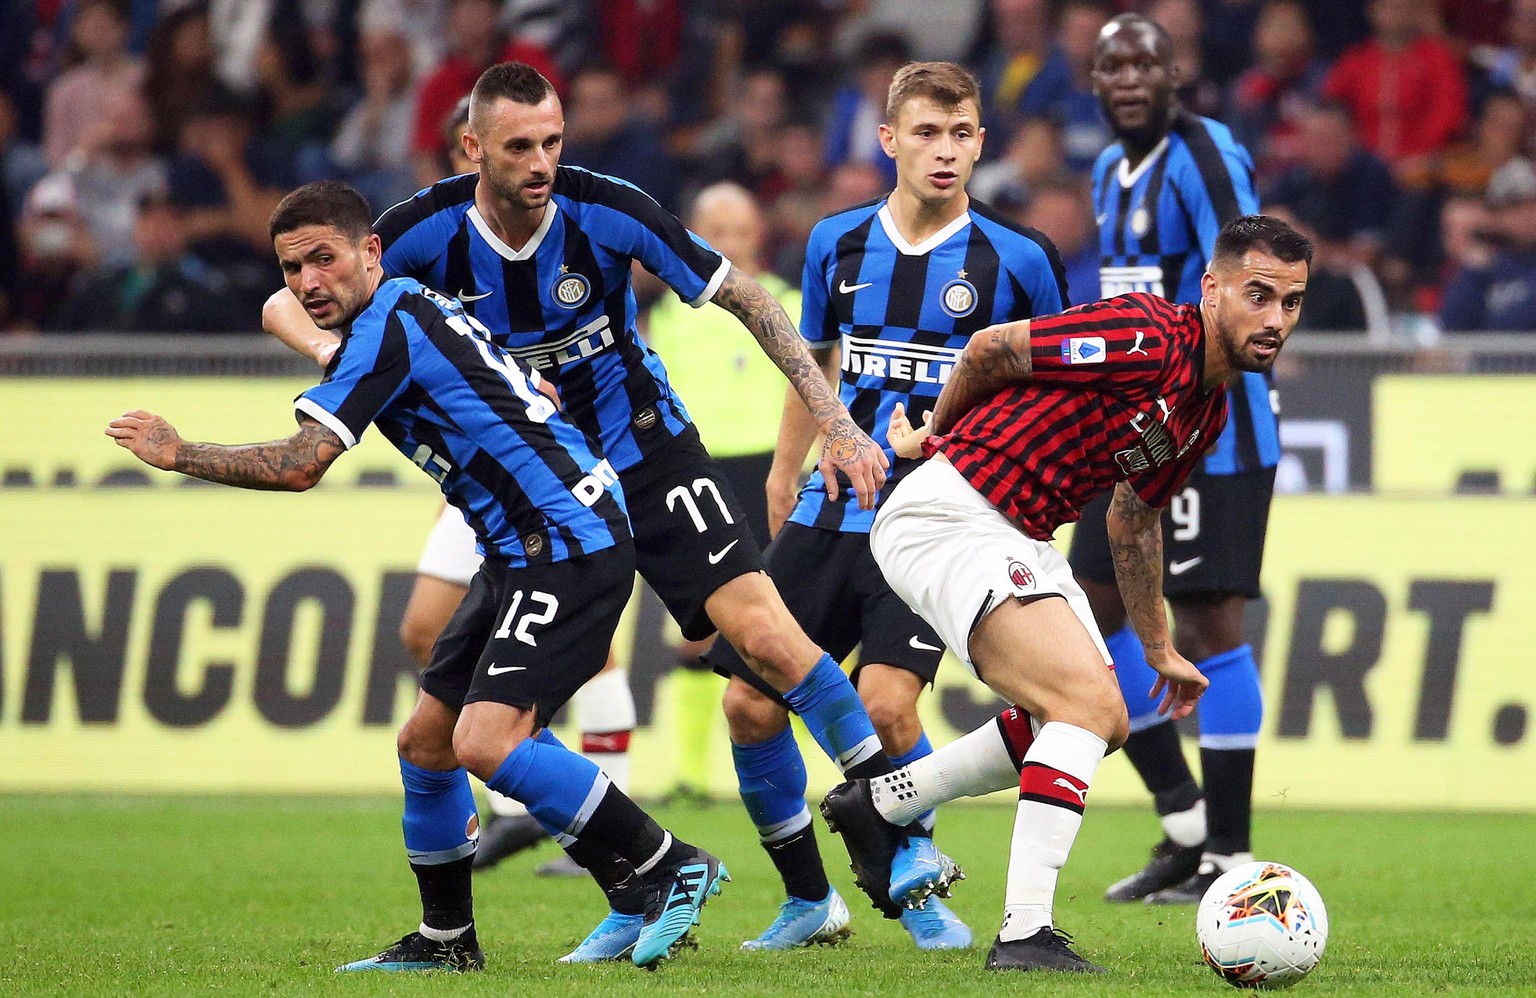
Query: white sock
{"x": 503, "y": 806}
{"x": 605, "y": 713}
{"x": 1053, "y": 788}
{"x": 1223, "y": 862}
{"x": 970, "y": 766}
{"x": 1186, "y": 828}
{"x": 442, "y": 935}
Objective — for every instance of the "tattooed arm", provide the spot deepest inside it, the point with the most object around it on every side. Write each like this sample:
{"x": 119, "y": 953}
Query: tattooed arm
{"x": 291, "y": 465}
{"x": 1136, "y": 544}
{"x": 994, "y": 358}
{"x": 847, "y": 448}
{"x": 797, "y": 431}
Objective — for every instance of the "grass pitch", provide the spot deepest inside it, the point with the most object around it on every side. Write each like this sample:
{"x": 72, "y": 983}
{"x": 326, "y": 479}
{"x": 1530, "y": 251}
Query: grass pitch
{"x": 264, "y": 896}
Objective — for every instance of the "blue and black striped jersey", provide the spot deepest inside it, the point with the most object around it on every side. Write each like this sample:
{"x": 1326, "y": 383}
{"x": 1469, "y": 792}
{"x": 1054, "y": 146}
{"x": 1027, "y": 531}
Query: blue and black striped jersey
{"x": 1157, "y": 228}
{"x": 902, "y": 314}
{"x": 426, "y": 374}
{"x": 563, "y": 302}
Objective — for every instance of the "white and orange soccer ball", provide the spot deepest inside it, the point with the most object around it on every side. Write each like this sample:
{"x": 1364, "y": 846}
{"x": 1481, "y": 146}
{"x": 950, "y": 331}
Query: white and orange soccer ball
{"x": 1262, "y": 925}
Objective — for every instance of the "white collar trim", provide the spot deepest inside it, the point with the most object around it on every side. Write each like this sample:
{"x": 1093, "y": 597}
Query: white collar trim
{"x": 1128, "y": 177}
{"x": 529, "y": 248}
{"x": 927, "y": 245}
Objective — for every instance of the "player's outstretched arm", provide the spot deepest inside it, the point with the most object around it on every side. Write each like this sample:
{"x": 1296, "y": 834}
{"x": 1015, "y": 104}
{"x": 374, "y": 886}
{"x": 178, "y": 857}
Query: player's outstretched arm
{"x": 1136, "y": 544}
{"x": 847, "y": 448}
{"x": 284, "y": 317}
{"x": 797, "y": 431}
{"x": 291, "y": 465}
{"x": 994, "y": 358}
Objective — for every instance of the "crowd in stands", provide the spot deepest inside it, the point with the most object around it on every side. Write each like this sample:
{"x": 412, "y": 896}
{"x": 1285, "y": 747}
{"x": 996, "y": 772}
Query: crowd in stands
{"x": 144, "y": 142}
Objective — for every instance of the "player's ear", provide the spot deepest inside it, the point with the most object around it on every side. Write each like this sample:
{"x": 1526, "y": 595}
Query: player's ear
{"x": 888, "y": 139}
{"x": 471, "y": 143}
{"x": 1208, "y": 286}
{"x": 373, "y": 250}
{"x": 981, "y": 140}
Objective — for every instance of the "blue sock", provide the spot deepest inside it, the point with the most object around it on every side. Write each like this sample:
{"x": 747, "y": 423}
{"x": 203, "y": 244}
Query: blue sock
{"x": 1232, "y": 709}
{"x": 560, "y": 788}
{"x": 1135, "y": 676}
{"x": 836, "y": 718}
{"x": 771, "y": 776}
{"x": 923, "y": 748}
{"x": 439, "y": 808}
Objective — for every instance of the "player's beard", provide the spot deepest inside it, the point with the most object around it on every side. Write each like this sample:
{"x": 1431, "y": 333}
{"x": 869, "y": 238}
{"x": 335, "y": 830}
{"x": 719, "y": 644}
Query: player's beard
{"x": 1237, "y": 355}
{"x": 513, "y": 194}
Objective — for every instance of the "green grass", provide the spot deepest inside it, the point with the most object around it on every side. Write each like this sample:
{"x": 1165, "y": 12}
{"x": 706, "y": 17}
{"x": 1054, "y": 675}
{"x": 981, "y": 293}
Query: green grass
{"x": 264, "y": 896}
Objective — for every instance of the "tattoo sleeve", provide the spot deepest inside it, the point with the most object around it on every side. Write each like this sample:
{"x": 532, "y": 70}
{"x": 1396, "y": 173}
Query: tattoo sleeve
{"x": 1136, "y": 545}
{"x": 291, "y": 465}
{"x": 994, "y": 358}
{"x": 769, "y": 324}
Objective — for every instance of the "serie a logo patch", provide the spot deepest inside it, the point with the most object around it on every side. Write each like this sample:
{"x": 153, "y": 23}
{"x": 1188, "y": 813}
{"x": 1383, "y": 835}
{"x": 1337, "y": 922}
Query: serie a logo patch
{"x": 1083, "y": 350}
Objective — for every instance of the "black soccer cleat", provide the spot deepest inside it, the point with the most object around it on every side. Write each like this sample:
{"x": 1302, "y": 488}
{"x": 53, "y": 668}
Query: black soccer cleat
{"x": 1170, "y": 864}
{"x": 417, "y": 953}
{"x": 1047, "y": 949}
{"x": 870, "y": 839}
{"x": 507, "y": 835}
{"x": 1189, "y": 890}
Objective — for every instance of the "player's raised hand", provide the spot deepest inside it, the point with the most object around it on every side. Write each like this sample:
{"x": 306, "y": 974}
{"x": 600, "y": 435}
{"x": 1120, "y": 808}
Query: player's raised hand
{"x": 150, "y": 438}
{"x": 1179, "y": 684}
{"x": 848, "y": 449}
{"x": 907, "y": 440}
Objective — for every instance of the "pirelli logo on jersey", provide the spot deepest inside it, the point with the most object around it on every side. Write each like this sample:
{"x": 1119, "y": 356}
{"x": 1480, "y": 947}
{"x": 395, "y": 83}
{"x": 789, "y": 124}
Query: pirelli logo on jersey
{"x": 587, "y": 341}
{"x": 866, "y": 356}
{"x": 1124, "y": 280}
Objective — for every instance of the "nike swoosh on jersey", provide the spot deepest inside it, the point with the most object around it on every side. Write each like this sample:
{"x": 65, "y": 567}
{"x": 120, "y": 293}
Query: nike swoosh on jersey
{"x": 923, "y": 646}
{"x": 461, "y": 296}
{"x": 848, "y": 289}
{"x": 715, "y": 556}
{"x": 1180, "y": 567}
{"x": 492, "y": 670}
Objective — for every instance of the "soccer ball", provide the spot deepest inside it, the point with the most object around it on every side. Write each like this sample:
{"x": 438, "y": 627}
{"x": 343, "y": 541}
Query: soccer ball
{"x": 1262, "y": 925}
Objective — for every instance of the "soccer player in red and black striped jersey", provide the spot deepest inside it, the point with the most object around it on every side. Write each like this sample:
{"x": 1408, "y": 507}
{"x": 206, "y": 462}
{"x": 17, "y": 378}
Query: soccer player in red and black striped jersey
{"x": 1039, "y": 417}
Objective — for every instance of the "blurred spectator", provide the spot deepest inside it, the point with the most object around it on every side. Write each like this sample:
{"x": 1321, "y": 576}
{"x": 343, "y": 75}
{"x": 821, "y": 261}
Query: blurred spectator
{"x": 742, "y": 145}
{"x": 228, "y": 183}
{"x": 1064, "y": 212}
{"x": 300, "y": 113}
{"x": 796, "y": 212}
{"x": 178, "y": 71}
{"x": 1476, "y": 23}
{"x": 565, "y": 29}
{"x": 1404, "y": 86}
{"x": 1198, "y": 92}
{"x": 1495, "y": 289}
{"x": 21, "y": 162}
{"x": 454, "y": 127}
{"x": 1338, "y": 189}
{"x": 474, "y": 43}
{"x": 600, "y": 136}
{"x": 103, "y": 69}
{"x": 111, "y": 168}
{"x": 55, "y": 249}
{"x": 1343, "y": 294}
{"x": 1020, "y": 71}
{"x": 372, "y": 148}
{"x": 1084, "y": 132}
{"x": 1034, "y": 157}
{"x": 1228, "y": 37}
{"x": 1337, "y": 25}
{"x": 1498, "y": 136}
{"x": 1268, "y": 100}
{"x": 236, "y": 28}
{"x": 853, "y": 129}
{"x": 420, "y": 21}
{"x": 939, "y": 31}
{"x": 1513, "y": 67}
{"x": 164, "y": 289}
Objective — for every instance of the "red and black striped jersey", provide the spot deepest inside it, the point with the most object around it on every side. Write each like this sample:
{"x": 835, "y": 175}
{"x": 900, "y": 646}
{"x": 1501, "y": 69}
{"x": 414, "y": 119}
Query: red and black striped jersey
{"x": 1116, "y": 395}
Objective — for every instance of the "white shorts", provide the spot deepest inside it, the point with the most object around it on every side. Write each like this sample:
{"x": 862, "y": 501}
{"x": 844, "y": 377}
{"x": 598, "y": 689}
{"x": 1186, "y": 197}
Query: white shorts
{"x": 953, "y": 558}
{"x": 450, "y": 553}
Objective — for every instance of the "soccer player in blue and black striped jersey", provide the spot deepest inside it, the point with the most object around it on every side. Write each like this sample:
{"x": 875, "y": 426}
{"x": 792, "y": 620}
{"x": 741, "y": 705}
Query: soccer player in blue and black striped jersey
{"x": 896, "y": 287}
{"x": 1161, "y": 194}
{"x": 558, "y": 569}
{"x": 541, "y": 255}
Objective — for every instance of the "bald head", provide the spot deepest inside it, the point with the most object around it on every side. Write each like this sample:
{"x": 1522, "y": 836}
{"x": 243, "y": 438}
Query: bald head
{"x": 727, "y": 216}
{"x": 1135, "y": 79}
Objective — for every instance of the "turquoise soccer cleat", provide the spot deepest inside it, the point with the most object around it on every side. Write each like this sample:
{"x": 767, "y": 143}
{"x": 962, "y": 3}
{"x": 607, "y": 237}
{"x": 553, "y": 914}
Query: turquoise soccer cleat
{"x": 674, "y": 895}
{"x": 416, "y": 952}
{"x": 934, "y": 926}
{"x": 919, "y": 871}
{"x": 613, "y": 939}
{"x": 805, "y": 923}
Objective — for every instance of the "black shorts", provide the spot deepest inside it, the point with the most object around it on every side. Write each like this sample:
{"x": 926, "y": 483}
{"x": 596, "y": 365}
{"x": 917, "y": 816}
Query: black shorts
{"x": 834, "y": 589}
{"x": 1213, "y": 536}
{"x": 691, "y": 536}
{"x": 530, "y": 637}
{"x": 748, "y": 475}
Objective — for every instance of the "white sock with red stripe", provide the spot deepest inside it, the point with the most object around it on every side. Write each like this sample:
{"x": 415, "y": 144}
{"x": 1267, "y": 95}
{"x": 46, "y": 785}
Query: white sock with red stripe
{"x": 1053, "y": 788}
{"x": 605, "y": 713}
{"x": 982, "y": 762}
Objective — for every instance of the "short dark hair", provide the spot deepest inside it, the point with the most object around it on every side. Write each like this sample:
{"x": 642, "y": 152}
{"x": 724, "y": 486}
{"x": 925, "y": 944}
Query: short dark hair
{"x": 516, "y": 81}
{"x": 324, "y": 202}
{"x": 1265, "y": 233}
